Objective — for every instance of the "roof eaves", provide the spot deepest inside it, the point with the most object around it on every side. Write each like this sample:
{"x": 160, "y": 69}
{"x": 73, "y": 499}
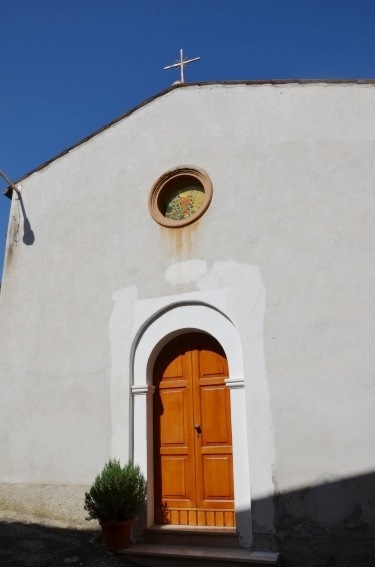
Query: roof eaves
{"x": 8, "y": 192}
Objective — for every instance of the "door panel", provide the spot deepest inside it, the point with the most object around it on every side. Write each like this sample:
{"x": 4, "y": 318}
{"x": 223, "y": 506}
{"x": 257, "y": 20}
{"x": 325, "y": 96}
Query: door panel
{"x": 210, "y": 364}
{"x": 215, "y": 429}
{"x": 217, "y": 474}
{"x": 174, "y": 479}
{"x": 192, "y": 424}
{"x": 173, "y": 423}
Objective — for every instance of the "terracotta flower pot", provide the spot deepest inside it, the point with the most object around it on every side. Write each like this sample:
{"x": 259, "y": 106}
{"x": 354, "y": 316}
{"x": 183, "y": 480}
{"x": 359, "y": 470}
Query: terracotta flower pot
{"x": 116, "y": 535}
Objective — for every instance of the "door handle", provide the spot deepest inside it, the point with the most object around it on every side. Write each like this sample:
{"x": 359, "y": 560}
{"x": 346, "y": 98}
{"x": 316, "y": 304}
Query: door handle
{"x": 197, "y": 428}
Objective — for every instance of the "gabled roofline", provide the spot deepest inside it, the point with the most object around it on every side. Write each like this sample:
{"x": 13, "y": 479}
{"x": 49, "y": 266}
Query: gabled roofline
{"x": 8, "y": 192}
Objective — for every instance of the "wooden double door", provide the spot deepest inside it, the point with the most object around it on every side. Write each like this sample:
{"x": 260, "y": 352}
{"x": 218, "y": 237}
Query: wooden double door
{"x": 192, "y": 434}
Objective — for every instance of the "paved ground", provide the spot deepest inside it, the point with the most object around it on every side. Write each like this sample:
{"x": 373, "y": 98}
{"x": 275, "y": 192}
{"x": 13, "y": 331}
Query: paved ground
{"x": 32, "y": 545}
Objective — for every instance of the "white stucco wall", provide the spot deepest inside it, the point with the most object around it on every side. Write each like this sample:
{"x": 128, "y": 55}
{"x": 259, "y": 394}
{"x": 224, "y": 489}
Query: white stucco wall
{"x": 289, "y": 235}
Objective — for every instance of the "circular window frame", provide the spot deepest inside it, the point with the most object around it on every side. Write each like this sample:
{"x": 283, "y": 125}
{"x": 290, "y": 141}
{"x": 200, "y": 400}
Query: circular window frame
{"x": 167, "y": 180}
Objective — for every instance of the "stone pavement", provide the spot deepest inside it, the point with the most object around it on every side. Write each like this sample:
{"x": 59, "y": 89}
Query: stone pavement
{"x": 33, "y": 545}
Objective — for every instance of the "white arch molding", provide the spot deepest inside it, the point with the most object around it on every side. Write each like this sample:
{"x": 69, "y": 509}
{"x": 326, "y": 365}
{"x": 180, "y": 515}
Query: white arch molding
{"x": 157, "y": 332}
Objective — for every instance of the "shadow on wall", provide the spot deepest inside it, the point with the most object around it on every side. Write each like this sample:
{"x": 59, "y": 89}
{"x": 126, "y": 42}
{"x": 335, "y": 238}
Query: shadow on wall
{"x": 330, "y": 525}
{"x": 28, "y": 234}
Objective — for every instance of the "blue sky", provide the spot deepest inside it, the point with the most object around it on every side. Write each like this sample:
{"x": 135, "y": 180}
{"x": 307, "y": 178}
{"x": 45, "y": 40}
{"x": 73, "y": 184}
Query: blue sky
{"x": 68, "y": 68}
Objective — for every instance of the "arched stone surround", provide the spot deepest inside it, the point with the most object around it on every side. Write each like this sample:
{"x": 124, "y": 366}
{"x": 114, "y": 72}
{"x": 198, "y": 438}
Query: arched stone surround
{"x": 157, "y": 331}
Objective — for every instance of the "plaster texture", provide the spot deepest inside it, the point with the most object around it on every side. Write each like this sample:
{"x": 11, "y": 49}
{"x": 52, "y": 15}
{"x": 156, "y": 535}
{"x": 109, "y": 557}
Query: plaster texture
{"x": 284, "y": 252}
{"x": 51, "y": 504}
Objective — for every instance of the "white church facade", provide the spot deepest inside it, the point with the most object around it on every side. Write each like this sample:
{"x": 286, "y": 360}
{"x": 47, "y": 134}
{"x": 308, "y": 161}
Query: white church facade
{"x": 192, "y": 286}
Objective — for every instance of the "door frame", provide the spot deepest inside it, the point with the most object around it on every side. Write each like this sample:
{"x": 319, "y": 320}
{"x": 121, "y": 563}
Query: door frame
{"x": 155, "y": 334}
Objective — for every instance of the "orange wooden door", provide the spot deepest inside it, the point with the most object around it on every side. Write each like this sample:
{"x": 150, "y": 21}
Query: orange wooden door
{"x": 193, "y": 441}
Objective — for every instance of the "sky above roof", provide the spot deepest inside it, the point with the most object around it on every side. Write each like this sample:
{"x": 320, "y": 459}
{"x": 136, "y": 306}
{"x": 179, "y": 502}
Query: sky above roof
{"x": 68, "y": 68}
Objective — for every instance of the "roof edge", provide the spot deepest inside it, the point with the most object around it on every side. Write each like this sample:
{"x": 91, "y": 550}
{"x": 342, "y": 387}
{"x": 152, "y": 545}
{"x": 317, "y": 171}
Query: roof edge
{"x": 9, "y": 191}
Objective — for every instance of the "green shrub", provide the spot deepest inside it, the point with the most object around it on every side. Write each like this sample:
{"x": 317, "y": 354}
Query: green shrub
{"x": 117, "y": 494}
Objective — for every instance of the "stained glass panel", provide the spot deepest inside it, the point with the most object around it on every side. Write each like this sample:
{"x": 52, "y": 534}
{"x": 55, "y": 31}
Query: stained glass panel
{"x": 182, "y": 201}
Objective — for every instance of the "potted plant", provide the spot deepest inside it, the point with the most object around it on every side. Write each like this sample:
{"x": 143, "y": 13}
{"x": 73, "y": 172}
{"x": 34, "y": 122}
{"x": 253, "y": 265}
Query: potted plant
{"x": 115, "y": 498}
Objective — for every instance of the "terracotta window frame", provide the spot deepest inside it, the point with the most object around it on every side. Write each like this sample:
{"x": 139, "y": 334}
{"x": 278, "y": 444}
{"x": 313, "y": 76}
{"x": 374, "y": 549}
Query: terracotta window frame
{"x": 166, "y": 181}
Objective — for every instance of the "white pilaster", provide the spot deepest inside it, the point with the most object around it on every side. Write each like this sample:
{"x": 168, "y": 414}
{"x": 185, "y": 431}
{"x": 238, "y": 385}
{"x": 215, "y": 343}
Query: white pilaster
{"x": 242, "y": 494}
{"x": 143, "y": 439}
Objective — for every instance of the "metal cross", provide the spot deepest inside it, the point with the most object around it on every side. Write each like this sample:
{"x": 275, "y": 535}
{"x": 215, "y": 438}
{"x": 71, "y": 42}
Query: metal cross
{"x": 181, "y": 63}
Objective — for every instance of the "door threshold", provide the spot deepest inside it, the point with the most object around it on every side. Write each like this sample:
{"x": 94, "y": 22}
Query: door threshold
{"x": 197, "y": 536}
{"x": 200, "y": 529}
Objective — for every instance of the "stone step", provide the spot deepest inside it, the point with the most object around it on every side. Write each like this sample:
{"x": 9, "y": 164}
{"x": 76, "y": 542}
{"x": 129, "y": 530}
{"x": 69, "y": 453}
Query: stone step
{"x": 192, "y": 536}
{"x": 151, "y": 555}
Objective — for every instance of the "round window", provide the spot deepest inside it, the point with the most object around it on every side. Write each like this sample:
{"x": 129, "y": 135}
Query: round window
{"x": 180, "y": 196}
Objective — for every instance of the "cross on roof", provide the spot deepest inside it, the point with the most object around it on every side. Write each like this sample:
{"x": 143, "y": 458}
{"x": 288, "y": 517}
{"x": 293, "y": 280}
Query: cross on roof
{"x": 181, "y": 63}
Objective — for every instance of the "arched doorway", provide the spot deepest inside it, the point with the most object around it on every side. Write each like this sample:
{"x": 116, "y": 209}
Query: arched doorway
{"x": 158, "y": 329}
{"x": 193, "y": 457}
